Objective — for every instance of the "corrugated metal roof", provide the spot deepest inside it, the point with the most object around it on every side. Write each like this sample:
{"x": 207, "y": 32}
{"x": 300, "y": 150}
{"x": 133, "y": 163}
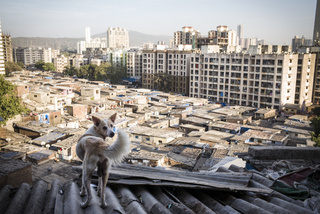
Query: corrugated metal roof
{"x": 140, "y": 196}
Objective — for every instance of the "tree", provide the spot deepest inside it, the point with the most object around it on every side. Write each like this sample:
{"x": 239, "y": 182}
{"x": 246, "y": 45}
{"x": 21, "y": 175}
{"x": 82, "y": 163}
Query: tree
{"x": 49, "y": 66}
{"x": 316, "y": 111}
{"x": 70, "y": 71}
{"x": 10, "y": 67}
{"x": 315, "y": 123}
{"x": 39, "y": 64}
{"x": 10, "y": 104}
{"x": 316, "y": 139}
{"x": 115, "y": 73}
{"x": 21, "y": 65}
{"x": 162, "y": 82}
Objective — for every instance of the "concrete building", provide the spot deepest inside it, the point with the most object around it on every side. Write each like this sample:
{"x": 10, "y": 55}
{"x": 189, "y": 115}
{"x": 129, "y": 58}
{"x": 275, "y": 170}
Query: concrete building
{"x": 134, "y": 63}
{"x": 175, "y": 63}
{"x": 60, "y": 62}
{"x": 261, "y": 81}
{"x": 92, "y": 92}
{"x": 300, "y": 42}
{"x": 7, "y": 48}
{"x": 188, "y": 36}
{"x": 178, "y": 66}
{"x": 2, "y": 69}
{"x": 148, "y": 68}
{"x": 40, "y": 96}
{"x": 94, "y": 43}
{"x": 316, "y": 29}
{"x": 239, "y": 32}
{"x": 117, "y": 38}
{"x": 316, "y": 87}
{"x": 305, "y": 79}
{"x": 223, "y": 37}
{"x": 88, "y": 35}
{"x": 76, "y": 60}
{"x": 90, "y": 43}
{"x": 29, "y": 56}
{"x": 116, "y": 57}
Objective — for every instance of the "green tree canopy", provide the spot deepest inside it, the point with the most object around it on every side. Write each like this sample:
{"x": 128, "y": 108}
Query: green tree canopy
{"x": 39, "y": 64}
{"x": 70, "y": 71}
{"x": 163, "y": 82}
{"x": 49, "y": 66}
{"x": 105, "y": 71}
{"x": 21, "y": 64}
{"x": 12, "y": 66}
{"x": 315, "y": 123}
{"x": 316, "y": 139}
{"x": 10, "y": 104}
{"x": 316, "y": 111}
{"x": 115, "y": 73}
{"x": 45, "y": 66}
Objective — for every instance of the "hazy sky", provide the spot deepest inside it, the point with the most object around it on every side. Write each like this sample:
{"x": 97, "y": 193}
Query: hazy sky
{"x": 277, "y": 21}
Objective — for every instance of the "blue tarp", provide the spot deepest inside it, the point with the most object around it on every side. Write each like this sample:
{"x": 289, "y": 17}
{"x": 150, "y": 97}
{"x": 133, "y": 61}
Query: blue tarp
{"x": 244, "y": 129}
{"x": 130, "y": 79}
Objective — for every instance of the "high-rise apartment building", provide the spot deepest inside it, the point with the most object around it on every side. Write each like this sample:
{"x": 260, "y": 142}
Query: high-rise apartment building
{"x": 88, "y": 35}
{"x": 188, "y": 36}
{"x": 316, "y": 29}
{"x": 223, "y": 37}
{"x": 7, "y": 47}
{"x": 175, "y": 63}
{"x": 240, "y": 31}
{"x": 134, "y": 63}
{"x": 29, "y": 56}
{"x": 116, "y": 57}
{"x": 305, "y": 78}
{"x": 267, "y": 80}
{"x": 178, "y": 66}
{"x": 299, "y": 42}
{"x": 2, "y": 69}
{"x": 90, "y": 43}
{"x": 148, "y": 68}
{"x": 60, "y": 62}
{"x": 117, "y": 38}
{"x": 316, "y": 86}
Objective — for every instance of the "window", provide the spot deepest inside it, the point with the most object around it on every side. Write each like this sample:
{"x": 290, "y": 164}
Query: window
{"x": 35, "y": 95}
{"x": 148, "y": 139}
{"x": 136, "y": 137}
{"x": 97, "y": 91}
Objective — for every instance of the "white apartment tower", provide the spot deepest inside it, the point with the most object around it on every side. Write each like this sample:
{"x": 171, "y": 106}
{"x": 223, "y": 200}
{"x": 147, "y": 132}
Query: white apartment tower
{"x": 29, "y": 56}
{"x": 2, "y": 69}
{"x": 305, "y": 78}
{"x": 88, "y": 35}
{"x": 176, "y": 63}
{"x": 117, "y": 38}
{"x": 188, "y": 36}
{"x": 266, "y": 80}
{"x": 90, "y": 43}
{"x": 134, "y": 63}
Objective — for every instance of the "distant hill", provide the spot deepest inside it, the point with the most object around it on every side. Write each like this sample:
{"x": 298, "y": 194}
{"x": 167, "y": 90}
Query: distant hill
{"x": 55, "y": 43}
{"x": 136, "y": 39}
